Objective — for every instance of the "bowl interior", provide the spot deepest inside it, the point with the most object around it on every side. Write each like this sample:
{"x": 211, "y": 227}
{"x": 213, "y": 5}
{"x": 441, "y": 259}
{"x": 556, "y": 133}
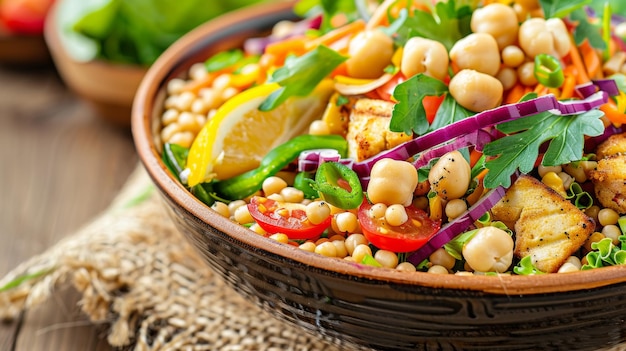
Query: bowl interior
{"x": 229, "y": 31}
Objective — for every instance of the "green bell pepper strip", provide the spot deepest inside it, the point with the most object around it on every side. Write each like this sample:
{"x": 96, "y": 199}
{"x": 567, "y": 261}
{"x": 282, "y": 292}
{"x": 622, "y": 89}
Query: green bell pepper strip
{"x": 174, "y": 156}
{"x": 548, "y": 71}
{"x": 304, "y": 181}
{"x": 248, "y": 183}
{"x": 327, "y": 182}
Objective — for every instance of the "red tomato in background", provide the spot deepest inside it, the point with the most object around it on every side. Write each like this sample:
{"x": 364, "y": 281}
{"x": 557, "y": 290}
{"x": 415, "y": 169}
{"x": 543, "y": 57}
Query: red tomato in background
{"x": 287, "y": 218}
{"x": 407, "y": 237}
{"x": 24, "y": 16}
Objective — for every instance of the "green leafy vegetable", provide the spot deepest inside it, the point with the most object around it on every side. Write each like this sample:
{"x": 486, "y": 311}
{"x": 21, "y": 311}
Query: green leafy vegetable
{"x": 449, "y": 112}
{"x": 526, "y": 267}
{"x": 447, "y": 24}
{"x": 300, "y": 75}
{"x": 327, "y": 8}
{"x": 370, "y": 261}
{"x": 408, "y": 114}
{"x": 454, "y": 247}
{"x": 580, "y": 198}
{"x": 606, "y": 254}
{"x": 520, "y": 150}
{"x": 586, "y": 30}
{"x": 223, "y": 60}
{"x": 132, "y": 31}
{"x": 561, "y": 8}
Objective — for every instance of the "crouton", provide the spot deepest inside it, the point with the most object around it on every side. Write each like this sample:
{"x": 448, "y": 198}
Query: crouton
{"x": 609, "y": 182}
{"x": 547, "y": 226}
{"x": 368, "y": 129}
{"x": 614, "y": 145}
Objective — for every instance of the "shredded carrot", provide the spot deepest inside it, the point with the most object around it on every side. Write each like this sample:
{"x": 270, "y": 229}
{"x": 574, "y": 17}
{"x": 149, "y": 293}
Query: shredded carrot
{"x": 540, "y": 89}
{"x": 577, "y": 61}
{"x": 516, "y": 93}
{"x": 567, "y": 89}
{"x": 613, "y": 113}
{"x": 591, "y": 59}
{"x": 281, "y": 49}
{"x": 336, "y": 34}
{"x": 475, "y": 155}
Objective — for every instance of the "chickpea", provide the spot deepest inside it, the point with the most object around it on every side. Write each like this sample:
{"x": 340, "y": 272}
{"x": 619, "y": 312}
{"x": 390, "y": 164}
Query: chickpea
{"x": 489, "y": 250}
{"x": 437, "y": 269}
{"x": 396, "y": 215}
{"x": 421, "y": 55}
{"x": 221, "y": 208}
{"x": 497, "y": 19}
{"x": 370, "y": 52}
{"x": 477, "y": 51}
{"x": 360, "y": 252}
{"x": 450, "y": 177}
{"x": 508, "y": 77}
{"x": 317, "y": 212}
{"x": 539, "y": 36}
{"x": 327, "y": 249}
{"x": 280, "y": 237}
{"x": 388, "y": 259}
{"x": 340, "y": 248}
{"x": 392, "y": 182}
{"x": 273, "y": 185}
{"x": 512, "y": 56}
{"x": 607, "y": 216}
{"x": 406, "y": 267}
{"x": 308, "y": 246}
{"x": 476, "y": 91}
{"x": 442, "y": 258}
{"x": 612, "y": 232}
{"x": 526, "y": 74}
{"x": 568, "y": 268}
{"x": 346, "y": 222}
{"x": 354, "y": 240}
{"x": 377, "y": 211}
{"x": 455, "y": 207}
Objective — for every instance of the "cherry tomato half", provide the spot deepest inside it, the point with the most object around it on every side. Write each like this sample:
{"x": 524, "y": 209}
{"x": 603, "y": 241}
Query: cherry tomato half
{"x": 407, "y": 237}
{"x": 287, "y": 218}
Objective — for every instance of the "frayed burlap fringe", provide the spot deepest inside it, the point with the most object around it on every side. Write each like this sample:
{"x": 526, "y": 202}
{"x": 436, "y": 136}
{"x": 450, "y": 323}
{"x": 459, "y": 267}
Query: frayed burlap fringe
{"x": 135, "y": 272}
{"x": 138, "y": 275}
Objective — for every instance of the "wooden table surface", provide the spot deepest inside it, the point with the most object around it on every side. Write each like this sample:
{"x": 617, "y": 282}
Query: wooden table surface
{"x": 60, "y": 166}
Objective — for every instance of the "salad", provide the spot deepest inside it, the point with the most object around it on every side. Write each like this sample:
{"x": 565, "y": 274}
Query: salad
{"x": 449, "y": 137}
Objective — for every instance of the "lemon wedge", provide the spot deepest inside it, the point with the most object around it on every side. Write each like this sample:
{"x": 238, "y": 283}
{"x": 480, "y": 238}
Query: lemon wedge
{"x": 237, "y": 137}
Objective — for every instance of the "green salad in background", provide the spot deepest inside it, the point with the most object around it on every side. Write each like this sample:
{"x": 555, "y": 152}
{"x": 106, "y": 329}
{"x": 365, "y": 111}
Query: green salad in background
{"x": 132, "y": 31}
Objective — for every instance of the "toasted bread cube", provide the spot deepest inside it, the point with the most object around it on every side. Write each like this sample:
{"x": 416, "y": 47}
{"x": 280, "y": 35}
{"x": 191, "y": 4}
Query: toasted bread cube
{"x": 614, "y": 145}
{"x": 609, "y": 182}
{"x": 547, "y": 226}
{"x": 368, "y": 129}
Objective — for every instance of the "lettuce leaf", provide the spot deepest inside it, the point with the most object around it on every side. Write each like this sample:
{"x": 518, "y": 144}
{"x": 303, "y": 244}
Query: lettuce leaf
{"x": 132, "y": 31}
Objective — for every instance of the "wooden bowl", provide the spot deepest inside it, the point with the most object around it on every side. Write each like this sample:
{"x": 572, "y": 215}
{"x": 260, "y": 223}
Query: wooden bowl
{"x": 23, "y": 50}
{"x": 363, "y": 305}
{"x": 108, "y": 87}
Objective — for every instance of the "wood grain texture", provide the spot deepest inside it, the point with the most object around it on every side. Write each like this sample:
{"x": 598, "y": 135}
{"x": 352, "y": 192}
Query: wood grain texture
{"x": 60, "y": 165}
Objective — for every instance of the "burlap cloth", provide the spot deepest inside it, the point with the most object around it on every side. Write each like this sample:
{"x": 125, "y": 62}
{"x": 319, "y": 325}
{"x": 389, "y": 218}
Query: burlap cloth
{"x": 137, "y": 274}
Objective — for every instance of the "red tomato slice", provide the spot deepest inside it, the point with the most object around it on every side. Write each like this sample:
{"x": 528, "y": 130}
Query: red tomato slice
{"x": 385, "y": 91}
{"x": 431, "y": 105}
{"x": 287, "y": 218}
{"x": 407, "y": 237}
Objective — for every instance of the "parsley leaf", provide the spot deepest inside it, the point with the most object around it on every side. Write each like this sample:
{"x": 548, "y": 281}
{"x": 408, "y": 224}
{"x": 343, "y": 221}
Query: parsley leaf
{"x": 449, "y": 112}
{"x": 447, "y": 24}
{"x": 585, "y": 30}
{"x": 300, "y": 75}
{"x": 520, "y": 150}
{"x": 408, "y": 114}
{"x": 561, "y": 8}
